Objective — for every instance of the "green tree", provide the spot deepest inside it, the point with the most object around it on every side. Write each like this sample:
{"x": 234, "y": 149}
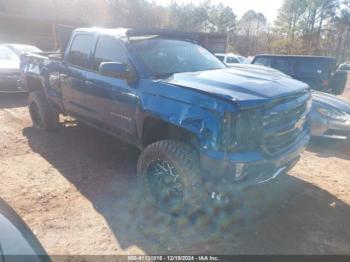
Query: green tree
{"x": 289, "y": 17}
{"x": 190, "y": 17}
{"x": 251, "y": 28}
{"x": 342, "y": 32}
{"x": 222, "y": 18}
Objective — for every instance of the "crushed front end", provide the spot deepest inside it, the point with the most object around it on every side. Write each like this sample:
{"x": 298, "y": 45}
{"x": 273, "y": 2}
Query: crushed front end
{"x": 258, "y": 145}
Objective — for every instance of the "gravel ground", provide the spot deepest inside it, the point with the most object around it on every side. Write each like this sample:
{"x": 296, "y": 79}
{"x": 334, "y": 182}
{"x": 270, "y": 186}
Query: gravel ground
{"x": 76, "y": 190}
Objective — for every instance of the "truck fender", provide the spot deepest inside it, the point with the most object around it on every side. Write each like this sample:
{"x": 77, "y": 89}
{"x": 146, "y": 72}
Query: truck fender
{"x": 202, "y": 123}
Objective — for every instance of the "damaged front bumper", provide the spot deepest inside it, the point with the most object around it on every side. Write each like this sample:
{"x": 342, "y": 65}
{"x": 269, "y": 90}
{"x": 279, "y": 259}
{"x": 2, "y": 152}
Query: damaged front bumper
{"x": 223, "y": 172}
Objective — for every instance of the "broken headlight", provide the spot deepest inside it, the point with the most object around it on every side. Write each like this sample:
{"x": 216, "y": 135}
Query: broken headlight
{"x": 241, "y": 132}
{"x": 333, "y": 114}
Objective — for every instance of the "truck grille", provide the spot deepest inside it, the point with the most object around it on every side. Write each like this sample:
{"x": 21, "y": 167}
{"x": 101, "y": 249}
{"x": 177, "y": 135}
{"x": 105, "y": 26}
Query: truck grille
{"x": 284, "y": 123}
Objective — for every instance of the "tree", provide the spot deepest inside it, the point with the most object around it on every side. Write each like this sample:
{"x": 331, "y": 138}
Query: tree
{"x": 302, "y": 27}
{"x": 342, "y": 32}
{"x": 289, "y": 17}
{"x": 251, "y": 28}
{"x": 190, "y": 17}
{"x": 222, "y": 18}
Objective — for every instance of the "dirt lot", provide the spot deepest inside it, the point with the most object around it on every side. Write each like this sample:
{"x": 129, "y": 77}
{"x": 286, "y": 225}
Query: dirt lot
{"x": 75, "y": 189}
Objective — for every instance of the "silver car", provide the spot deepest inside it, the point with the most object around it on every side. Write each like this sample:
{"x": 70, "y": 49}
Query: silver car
{"x": 330, "y": 116}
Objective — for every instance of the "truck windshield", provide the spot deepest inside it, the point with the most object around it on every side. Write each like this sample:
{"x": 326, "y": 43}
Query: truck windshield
{"x": 165, "y": 57}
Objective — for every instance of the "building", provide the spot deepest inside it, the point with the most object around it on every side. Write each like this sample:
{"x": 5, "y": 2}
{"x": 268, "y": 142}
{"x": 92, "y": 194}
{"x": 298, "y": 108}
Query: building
{"x": 35, "y": 23}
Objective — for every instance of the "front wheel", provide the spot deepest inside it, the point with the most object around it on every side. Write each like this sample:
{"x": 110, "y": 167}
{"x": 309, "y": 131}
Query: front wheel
{"x": 169, "y": 174}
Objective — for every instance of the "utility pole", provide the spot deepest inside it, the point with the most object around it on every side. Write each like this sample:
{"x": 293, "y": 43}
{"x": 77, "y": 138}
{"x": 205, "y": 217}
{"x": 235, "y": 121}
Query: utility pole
{"x": 54, "y": 24}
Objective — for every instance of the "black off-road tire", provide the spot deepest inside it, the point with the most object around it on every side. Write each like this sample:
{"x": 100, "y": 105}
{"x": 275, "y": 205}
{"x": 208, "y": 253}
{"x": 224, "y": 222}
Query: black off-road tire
{"x": 339, "y": 82}
{"x": 43, "y": 115}
{"x": 186, "y": 161}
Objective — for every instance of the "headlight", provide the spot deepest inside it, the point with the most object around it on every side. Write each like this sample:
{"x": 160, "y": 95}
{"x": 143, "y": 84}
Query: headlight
{"x": 333, "y": 114}
{"x": 241, "y": 131}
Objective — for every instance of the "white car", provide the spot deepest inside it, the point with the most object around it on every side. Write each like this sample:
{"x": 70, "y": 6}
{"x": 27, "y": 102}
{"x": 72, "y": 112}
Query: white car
{"x": 18, "y": 49}
{"x": 9, "y": 70}
{"x": 232, "y": 59}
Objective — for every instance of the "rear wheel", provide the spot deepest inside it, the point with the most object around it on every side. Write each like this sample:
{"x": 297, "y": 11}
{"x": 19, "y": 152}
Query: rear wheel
{"x": 339, "y": 82}
{"x": 43, "y": 115}
{"x": 169, "y": 174}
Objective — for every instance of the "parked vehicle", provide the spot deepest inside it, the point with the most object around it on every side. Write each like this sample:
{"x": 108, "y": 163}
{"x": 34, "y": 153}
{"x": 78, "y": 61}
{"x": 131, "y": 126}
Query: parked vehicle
{"x": 329, "y": 117}
{"x": 319, "y": 72}
{"x": 231, "y": 59}
{"x": 203, "y": 129}
{"x": 19, "y": 49}
{"x": 9, "y": 70}
{"x": 345, "y": 67}
{"x": 17, "y": 242}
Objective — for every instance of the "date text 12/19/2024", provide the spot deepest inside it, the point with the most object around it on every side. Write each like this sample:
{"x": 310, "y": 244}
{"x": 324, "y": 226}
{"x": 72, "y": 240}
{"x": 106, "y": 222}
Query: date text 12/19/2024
{"x": 173, "y": 258}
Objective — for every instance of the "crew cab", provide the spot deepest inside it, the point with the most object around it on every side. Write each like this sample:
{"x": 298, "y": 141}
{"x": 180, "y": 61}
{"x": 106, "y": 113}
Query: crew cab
{"x": 202, "y": 128}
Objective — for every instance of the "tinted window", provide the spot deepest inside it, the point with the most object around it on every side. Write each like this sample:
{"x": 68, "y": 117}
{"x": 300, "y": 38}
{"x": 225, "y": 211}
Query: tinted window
{"x": 80, "y": 50}
{"x": 263, "y": 61}
{"x": 232, "y": 60}
{"x": 109, "y": 49}
{"x": 286, "y": 65}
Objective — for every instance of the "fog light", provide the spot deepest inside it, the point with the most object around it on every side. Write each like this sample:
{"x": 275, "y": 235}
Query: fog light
{"x": 239, "y": 174}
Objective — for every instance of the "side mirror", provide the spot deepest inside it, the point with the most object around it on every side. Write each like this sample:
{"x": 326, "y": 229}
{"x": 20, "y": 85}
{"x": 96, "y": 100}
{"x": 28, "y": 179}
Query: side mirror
{"x": 114, "y": 69}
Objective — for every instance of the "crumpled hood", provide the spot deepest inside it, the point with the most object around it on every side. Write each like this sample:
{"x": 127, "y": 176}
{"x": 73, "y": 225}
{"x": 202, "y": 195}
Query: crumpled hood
{"x": 330, "y": 101}
{"x": 9, "y": 65}
{"x": 246, "y": 86}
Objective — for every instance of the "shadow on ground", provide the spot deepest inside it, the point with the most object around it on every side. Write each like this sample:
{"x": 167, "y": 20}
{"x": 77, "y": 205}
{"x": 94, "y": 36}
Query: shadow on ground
{"x": 325, "y": 147}
{"x": 287, "y": 217}
{"x": 13, "y": 100}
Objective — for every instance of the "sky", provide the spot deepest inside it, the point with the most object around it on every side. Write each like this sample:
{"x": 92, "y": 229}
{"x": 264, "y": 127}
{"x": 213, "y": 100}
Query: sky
{"x": 268, "y": 7}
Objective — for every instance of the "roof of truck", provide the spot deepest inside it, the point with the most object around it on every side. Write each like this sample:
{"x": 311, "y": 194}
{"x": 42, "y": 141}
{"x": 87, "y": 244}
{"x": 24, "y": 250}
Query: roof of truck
{"x": 133, "y": 32}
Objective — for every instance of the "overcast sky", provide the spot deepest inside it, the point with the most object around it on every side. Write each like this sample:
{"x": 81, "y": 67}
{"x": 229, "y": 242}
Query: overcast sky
{"x": 268, "y": 7}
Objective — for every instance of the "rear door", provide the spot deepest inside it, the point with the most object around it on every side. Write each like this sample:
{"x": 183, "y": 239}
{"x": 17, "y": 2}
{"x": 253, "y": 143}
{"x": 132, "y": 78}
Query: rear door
{"x": 74, "y": 76}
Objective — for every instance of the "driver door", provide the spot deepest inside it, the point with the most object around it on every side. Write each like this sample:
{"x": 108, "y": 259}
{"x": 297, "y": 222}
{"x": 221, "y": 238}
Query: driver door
{"x": 113, "y": 100}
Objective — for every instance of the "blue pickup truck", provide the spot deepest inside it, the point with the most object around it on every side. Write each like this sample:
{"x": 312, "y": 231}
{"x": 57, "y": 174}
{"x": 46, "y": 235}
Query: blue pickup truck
{"x": 203, "y": 129}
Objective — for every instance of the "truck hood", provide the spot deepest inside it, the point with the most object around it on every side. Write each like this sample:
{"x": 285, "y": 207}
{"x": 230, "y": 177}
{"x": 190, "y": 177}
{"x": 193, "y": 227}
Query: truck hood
{"x": 248, "y": 87}
{"x": 330, "y": 101}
